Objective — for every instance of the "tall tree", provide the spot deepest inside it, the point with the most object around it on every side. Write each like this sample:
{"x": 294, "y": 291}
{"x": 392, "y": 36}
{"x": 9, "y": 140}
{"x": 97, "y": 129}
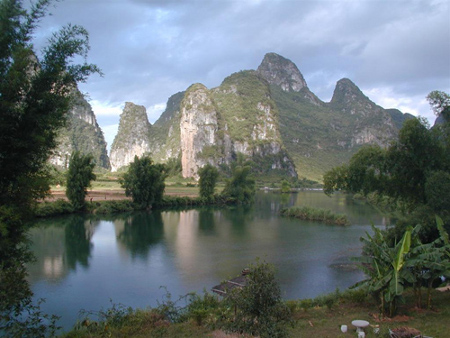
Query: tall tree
{"x": 144, "y": 182}
{"x": 34, "y": 100}
{"x": 207, "y": 182}
{"x": 79, "y": 177}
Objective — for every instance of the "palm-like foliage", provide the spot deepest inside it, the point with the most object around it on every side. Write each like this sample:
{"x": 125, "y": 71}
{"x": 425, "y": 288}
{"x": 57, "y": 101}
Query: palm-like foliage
{"x": 384, "y": 267}
{"x": 409, "y": 262}
{"x": 428, "y": 262}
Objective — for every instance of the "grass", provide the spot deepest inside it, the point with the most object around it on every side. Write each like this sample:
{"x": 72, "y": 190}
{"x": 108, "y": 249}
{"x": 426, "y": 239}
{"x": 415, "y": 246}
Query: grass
{"x": 319, "y": 317}
{"x": 313, "y": 214}
{"x": 325, "y": 322}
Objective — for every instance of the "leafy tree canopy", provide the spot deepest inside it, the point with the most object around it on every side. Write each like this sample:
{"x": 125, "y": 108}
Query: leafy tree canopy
{"x": 207, "y": 182}
{"x": 414, "y": 171}
{"x": 440, "y": 103}
{"x": 400, "y": 171}
{"x": 35, "y": 97}
{"x": 144, "y": 182}
{"x": 79, "y": 177}
{"x": 241, "y": 186}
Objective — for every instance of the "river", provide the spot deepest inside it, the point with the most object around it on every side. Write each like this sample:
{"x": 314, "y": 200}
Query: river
{"x": 132, "y": 259}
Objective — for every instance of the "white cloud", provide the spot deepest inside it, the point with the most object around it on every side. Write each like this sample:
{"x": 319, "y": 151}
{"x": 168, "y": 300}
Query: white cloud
{"x": 398, "y": 50}
{"x": 386, "y": 97}
{"x": 155, "y": 111}
{"x": 105, "y": 109}
{"x": 110, "y": 132}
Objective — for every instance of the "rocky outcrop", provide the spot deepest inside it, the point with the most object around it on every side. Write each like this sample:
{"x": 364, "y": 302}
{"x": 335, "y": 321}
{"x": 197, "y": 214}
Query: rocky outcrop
{"x": 165, "y": 132}
{"x": 399, "y": 118}
{"x": 82, "y": 133}
{"x": 198, "y": 127}
{"x": 370, "y": 124}
{"x": 132, "y": 138}
{"x": 282, "y": 72}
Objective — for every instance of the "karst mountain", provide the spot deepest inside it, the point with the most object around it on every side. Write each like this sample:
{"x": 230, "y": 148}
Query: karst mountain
{"x": 269, "y": 115}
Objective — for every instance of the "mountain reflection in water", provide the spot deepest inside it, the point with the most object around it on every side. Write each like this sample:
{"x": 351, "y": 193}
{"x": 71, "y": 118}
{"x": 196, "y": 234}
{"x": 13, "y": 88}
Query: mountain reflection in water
{"x": 83, "y": 262}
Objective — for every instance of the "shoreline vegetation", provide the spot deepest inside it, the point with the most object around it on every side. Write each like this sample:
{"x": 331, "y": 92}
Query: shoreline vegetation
{"x": 322, "y": 316}
{"x": 315, "y": 215}
{"x": 105, "y": 200}
{"x": 61, "y": 206}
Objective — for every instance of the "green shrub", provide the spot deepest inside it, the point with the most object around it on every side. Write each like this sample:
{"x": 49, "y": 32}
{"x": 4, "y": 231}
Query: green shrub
{"x": 260, "y": 310}
{"x": 313, "y": 214}
{"x": 306, "y": 304}
{"x": 58, "y": 207}
{"x": 202, "y": 307}
{"x": 112, "y": 207}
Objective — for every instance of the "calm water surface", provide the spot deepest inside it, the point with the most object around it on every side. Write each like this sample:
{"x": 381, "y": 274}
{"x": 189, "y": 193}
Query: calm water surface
{"x": 83, "y": 263}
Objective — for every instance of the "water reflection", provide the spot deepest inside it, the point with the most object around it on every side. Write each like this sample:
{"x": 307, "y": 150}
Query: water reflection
{"x": 82, "y": 263}
{"x": 60, "y": 245}
{"x": 140, "y": 231}
{"x": 206, "y": 222}
{"x": 77, "y": 234}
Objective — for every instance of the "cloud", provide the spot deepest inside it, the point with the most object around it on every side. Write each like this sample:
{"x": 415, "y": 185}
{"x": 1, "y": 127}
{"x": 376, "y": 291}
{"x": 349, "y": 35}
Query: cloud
{"x": 398, "y": 51}
{"x": 155, "y": 111}
{"x": 110, "y": 132}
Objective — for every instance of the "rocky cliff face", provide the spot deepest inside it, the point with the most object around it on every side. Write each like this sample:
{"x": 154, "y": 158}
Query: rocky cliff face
{"x": 198, "y": 127}
{"x": 281, "y": 72}
{"x": 250, "y": 123}
{"x": 165, "y": 133}
{"x": 370, "y": 124}
{"x": 82, "y": 133}
{"x": 132, "y": 138}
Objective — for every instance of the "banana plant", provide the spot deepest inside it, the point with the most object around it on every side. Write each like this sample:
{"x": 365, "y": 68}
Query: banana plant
{"x": 429, "y": 261}
{"x": 385, "y": 268}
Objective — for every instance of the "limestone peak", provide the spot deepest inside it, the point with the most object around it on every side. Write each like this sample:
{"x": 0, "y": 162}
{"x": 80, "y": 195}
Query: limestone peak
{"x": 346, "y": 92}
{"x": 282, "y": 72}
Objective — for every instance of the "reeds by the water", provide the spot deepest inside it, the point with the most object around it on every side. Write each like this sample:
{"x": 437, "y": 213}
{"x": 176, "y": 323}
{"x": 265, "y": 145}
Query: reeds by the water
{"x": 314, "y": 214}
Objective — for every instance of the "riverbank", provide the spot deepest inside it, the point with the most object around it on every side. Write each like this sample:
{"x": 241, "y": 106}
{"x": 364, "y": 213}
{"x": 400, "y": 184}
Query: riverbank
{"x": 320, "y": 317}
{"x": 113, "y": 203}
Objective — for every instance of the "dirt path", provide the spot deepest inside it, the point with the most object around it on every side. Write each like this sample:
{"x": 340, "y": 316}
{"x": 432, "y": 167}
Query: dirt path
{"x": 106, "y": 195}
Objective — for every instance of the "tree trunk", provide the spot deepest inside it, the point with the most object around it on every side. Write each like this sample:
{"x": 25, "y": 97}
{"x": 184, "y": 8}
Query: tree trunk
{"x": 430, "y": 286}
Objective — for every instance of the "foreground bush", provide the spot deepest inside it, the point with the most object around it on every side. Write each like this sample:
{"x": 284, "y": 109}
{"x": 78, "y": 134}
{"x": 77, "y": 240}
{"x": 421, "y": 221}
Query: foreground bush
{"x": 260, "y": 310}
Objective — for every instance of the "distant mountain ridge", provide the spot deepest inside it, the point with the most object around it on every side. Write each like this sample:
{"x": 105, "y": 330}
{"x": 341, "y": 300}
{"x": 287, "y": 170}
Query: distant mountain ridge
{"x": 269, "y": 115}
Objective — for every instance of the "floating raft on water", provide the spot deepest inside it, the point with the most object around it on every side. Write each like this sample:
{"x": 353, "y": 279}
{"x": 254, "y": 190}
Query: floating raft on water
{"x": 225, "y": 288}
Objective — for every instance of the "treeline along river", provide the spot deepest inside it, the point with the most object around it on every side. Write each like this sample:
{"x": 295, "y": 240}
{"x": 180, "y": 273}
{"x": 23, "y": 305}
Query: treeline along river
{"x": 87, "y": 262}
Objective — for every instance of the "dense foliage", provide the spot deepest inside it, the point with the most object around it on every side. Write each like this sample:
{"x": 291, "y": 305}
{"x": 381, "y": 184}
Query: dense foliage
{"x": 34, "y": 99}
{"x": 410, "y": 262}
{"x": 240, "y": 188}
{"x": 207, "y": 182}
{"x": 413, "y": 173}
{"x": 144, "y": 182}
{"x": 79, "y": 177}
{"x": 260, "y": 310}
{"x": 314, "y": 214}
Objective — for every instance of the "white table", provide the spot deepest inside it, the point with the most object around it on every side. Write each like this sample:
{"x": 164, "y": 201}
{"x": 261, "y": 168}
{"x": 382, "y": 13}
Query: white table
{"x": 360, "y": 324}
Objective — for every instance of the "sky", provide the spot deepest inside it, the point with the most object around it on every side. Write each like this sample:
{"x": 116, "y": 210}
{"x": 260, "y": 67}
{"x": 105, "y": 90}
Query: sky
{"x": 395, "y": 51}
